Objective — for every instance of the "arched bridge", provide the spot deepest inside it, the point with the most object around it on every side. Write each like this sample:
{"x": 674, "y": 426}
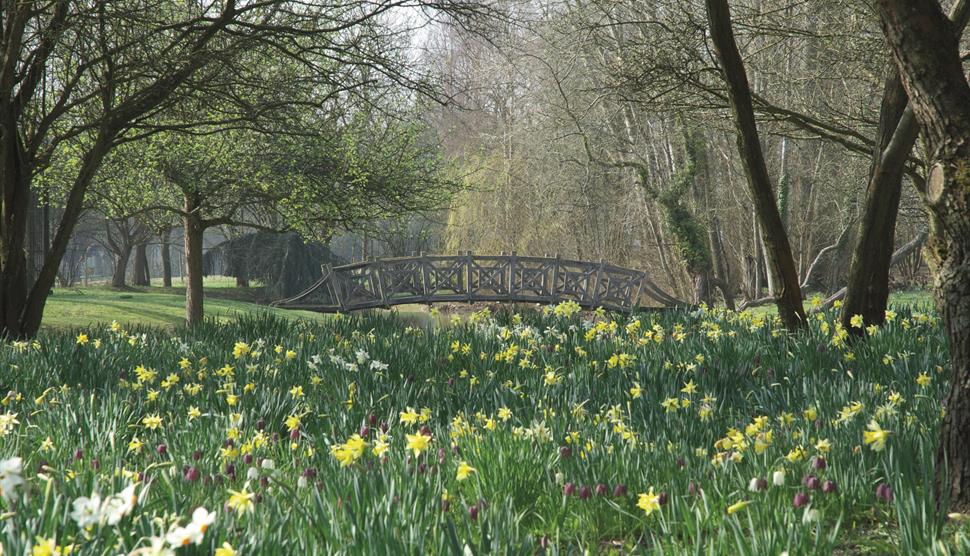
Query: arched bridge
{"x": 471, "y": 278}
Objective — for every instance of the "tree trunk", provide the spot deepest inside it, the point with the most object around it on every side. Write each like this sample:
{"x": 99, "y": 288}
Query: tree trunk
{"x": 702, "y": 288}
{"x": 166, "y": 252}
{"x": 194, "y": 230}
{"x": 241, "y": 265}
{"x": 73, "y": 206}
{"x": 926, "y": 50}
{"x": 140, "y": 274}
{"x": 867, "y": 290}
{"x": 953, "y": 298}
{"x": 13, "y": 230}
{"x": 758, "y": 260}
{"x": 719, "y": 262}
{"x": 787, "y": 293}
{"x": 771, "y": 275}
{"x": 121, "y": 268}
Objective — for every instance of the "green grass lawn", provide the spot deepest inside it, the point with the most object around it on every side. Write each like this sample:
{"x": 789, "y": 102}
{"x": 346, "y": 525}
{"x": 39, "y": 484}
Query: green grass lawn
{"x": 165, "y": 307}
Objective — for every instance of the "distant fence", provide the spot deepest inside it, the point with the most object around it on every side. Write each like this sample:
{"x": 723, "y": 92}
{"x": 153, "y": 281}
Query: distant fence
{"x": 469, "y": 278}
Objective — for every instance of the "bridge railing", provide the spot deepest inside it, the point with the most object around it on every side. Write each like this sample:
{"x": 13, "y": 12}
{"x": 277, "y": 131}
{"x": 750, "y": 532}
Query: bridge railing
{"x": 472, "y": 278}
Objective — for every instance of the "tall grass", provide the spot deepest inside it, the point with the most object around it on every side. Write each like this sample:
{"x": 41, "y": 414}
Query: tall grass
{"x": 601, "y": 408}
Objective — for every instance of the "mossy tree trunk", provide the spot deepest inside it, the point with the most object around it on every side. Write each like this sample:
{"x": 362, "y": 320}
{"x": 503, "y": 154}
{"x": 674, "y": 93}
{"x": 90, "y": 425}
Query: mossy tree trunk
{"x": 925, "y": 47}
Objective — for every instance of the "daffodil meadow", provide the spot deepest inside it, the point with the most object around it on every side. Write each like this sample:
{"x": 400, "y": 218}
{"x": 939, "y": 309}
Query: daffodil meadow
{"x": 708, "y": 432}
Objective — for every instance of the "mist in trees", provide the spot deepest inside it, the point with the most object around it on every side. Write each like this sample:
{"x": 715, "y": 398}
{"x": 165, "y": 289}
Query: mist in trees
{"x": 578, "y": 125}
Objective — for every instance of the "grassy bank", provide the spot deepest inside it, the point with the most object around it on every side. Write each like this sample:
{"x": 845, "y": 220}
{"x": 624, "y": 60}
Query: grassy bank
{"x": 672, "y": 433}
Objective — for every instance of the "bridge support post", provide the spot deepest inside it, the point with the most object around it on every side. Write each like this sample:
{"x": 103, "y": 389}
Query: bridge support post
{"x": 469, "y": 274}
{"x": 554, "y": 287}
{"x": 512, "y": 293}
{"x": 336, "y": 286}
{"x": 377, "y": 271}
{"x": 595, "y": 285}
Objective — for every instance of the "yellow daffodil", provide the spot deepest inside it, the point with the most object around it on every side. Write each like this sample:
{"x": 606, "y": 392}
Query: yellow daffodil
{"x": 738, "y": 506}
{"x": 464, "y": 470}
{"x": 152, "y": 422}
{"x": 636, "y": 391}
{"x": 649, "y": 502}
{"x": 408, "y": 417}
{"x": 350, "y": 451}
{"x": 242, "y": 500}
{"x": 689, "y": 387}
{"x": 417, "y": 443}
{"x": 135, "y": 445}
{"x": 875, "y": 437}
{"x": 241, "y": 349}
{"x": 381, "y": 446}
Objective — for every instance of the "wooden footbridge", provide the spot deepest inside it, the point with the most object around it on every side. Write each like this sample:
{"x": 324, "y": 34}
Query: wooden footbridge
{"x": 428, "y": 279}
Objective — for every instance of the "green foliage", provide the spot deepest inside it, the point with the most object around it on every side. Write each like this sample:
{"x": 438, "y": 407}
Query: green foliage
{"x": 647, "y": 401}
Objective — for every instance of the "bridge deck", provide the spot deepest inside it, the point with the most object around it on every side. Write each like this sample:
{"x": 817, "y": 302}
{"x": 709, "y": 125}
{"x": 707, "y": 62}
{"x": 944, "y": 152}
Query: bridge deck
{"x": 427, "y": 279}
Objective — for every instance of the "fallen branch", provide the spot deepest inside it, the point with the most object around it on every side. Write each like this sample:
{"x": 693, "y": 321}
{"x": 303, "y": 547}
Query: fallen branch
{"x": 756, "y": 302}
{"x": 818, "y": 258}
{"x": 897, "y": 255}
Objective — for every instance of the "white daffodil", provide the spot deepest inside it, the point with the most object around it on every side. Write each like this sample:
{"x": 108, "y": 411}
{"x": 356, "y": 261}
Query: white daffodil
{"x": 7, "y": 422}
{"x": 182, "y": 536}
{"x": 201, "y": 520}
{"x": 118, "y": 506}
{"x": 11, "y": 477}
{"x": 376, "y": 365}
{"x": 87, "y": 511}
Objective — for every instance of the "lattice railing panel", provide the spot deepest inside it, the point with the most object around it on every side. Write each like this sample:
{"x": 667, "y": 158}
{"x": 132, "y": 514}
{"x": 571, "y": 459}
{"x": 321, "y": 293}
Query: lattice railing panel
{"x": 469, "y": 278}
